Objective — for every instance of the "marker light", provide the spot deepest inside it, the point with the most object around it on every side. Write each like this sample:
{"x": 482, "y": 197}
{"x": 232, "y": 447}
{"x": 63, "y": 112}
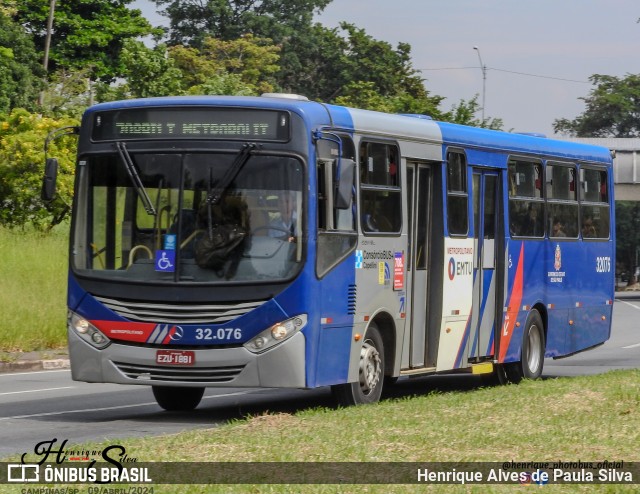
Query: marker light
{"x": 276, "y": 334}
{"x": 98, "y": 338}
{"x": 87, "y": 331}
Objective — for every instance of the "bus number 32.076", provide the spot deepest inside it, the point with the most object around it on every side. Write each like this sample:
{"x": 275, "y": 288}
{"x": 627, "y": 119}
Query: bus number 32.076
{"x": 218, "y": 334}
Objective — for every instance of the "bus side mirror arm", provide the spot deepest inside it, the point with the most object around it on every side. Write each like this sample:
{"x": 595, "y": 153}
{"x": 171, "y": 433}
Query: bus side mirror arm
{"x": 48, "y": 191}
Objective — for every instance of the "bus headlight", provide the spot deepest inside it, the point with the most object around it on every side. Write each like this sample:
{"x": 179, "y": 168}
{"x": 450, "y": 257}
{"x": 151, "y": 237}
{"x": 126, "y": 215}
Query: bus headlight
{"x": 276, "y": 334}
{"x": 87, "y": 331}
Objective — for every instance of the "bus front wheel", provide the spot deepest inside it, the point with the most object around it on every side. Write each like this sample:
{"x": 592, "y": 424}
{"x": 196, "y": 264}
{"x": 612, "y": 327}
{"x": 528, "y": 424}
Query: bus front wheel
{"x": 533, "y": 349}
{"x": 368, "y": 388}
{"x": 177, "y": 399}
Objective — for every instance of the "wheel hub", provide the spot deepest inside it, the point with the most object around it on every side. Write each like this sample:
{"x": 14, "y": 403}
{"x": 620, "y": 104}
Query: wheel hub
{"x": 533, "y": 354}
{"x": 370, "y": 369}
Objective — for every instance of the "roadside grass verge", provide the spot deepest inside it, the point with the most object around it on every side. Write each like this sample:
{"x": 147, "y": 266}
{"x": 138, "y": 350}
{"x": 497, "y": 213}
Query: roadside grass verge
{"x": 589, "y": 418}
{"x": 33, "y": 280}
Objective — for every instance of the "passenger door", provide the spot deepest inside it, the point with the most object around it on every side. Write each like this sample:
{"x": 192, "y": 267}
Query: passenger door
{"x": 419, "y": 204}
{"x": 486, "y": 281}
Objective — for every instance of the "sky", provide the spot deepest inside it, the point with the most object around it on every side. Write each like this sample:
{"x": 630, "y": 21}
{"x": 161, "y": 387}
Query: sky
{"x": 538, "y": 55}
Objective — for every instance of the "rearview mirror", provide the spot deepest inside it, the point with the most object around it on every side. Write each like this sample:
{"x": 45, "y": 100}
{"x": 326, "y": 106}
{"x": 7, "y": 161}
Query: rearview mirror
{"x": 49, "y": 180}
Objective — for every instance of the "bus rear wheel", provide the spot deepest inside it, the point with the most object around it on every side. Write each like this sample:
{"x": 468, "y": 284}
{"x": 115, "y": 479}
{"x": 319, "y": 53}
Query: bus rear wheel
{"x": 177, "y": 399}
{"x": 533, "y": 348}
{"x": 368, "y": 388}
{"x": 496, "y": 378}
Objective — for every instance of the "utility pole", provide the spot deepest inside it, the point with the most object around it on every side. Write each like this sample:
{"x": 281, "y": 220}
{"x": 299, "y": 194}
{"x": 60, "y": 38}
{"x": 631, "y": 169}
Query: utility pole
{"x": 483, "y": 67}
{"x": 47, "y": 45}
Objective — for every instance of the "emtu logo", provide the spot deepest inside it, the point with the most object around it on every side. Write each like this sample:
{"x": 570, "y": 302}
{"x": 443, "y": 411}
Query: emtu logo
{"x": 452, "y": 268}
{"x": 459, "y": 268}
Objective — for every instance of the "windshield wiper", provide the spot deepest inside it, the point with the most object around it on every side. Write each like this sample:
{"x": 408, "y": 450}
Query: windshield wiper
{"x": 215, "y": 194}
{"x": 135, "y": 178}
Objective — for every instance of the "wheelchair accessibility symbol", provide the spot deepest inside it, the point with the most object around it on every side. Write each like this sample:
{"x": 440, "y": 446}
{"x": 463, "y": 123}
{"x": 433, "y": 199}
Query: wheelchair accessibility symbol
{"x": 166, "y": 260}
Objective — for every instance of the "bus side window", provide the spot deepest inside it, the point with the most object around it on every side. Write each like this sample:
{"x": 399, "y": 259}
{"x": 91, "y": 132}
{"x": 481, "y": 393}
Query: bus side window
{"x": 594, "y": 204}
{"x": 457, "y": 195}
{"x": 526, "y": 201}
{"x": 337, "y": 235}
{"x": 339, "y": 219}
{"x": 562, "y": 201}
{"x": 380, "y": 197}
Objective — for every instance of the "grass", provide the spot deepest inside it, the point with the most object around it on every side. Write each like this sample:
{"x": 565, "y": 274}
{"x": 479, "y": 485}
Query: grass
{"x": 33, "y": 277}
{"x": 590, "y": 418}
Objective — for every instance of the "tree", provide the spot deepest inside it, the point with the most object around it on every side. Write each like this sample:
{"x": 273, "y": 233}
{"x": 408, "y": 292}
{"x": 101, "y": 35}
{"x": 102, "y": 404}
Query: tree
{"x": 612, "y": 109}
{"x": 252, "y": 61}
{"x": 68, "y": 93}
{"x": 192, "y": 21}
{"x": 315, "y": 63}
{"x": 464, "y": 113}
{"x": 287, "y": 23}
{"x": 290, "y": 26}
{"x": 195, "y": 68}
{"x": 377, "y": 61}
{"x": 224, "y": 84}
{"x": 149, "y": 71}
{"x": 366, "y": 95}
{"x": 8, "y": 8}
{"x": 20, "y": 70}
{"x": 85, "y": 33}
{"x": 21, "y": 164}
{"x": 371, "y": 74}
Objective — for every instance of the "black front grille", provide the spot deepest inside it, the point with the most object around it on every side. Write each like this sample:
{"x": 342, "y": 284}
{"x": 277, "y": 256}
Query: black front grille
{"x": 155, "y": 373}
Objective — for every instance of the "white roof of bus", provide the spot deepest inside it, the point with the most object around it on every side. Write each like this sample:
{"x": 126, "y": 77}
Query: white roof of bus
{"x": 390, "y": 125}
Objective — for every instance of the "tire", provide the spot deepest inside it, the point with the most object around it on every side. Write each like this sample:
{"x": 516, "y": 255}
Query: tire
{"x": 177, "y": 399}
{"x": 532, "y": 355}
{"x": 370, "y": 382}
{"x": 497, "y": 378}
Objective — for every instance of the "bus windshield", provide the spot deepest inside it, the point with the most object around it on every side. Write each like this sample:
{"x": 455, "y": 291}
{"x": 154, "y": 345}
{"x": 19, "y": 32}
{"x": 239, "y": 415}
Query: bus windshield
{"x": 145, "y": 217}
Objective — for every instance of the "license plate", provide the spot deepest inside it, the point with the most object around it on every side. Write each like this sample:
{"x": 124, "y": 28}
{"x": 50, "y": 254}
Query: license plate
{"x": 175, "y": 357}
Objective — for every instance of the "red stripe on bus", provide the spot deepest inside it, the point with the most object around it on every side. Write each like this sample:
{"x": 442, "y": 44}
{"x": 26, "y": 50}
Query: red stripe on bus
{"x": 514, "y": 301}
{"x": 167, "y": 338}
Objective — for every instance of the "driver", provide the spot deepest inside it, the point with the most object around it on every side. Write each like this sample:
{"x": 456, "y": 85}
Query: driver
{"x": 284, "y": 225}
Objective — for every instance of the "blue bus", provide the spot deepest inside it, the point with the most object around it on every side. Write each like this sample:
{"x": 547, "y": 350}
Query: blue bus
{"x": 278, "y": 242}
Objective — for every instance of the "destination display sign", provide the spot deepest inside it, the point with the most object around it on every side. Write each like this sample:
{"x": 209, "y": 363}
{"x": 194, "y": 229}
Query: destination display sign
{"x": 191, "y": 123}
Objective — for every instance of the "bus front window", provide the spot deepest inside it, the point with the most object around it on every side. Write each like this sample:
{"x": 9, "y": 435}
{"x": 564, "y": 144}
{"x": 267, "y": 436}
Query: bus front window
{"x": 154, "y": 223}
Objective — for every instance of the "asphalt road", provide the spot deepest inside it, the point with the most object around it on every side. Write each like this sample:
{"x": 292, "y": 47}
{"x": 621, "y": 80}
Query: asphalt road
{"x": 41, "y": 406}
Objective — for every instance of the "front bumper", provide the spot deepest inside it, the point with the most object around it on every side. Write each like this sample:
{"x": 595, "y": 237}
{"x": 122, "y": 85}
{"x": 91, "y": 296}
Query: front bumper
{"x": 283, "y": 366}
